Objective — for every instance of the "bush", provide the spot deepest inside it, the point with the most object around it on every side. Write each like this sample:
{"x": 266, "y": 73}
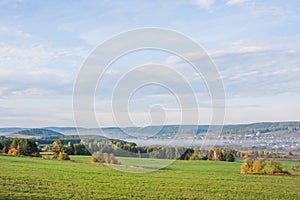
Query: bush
{"x": 108, "y": 158}
{"x": 260, "y": 166}
{"x": 97, "y": 157}
{"x": 273, "y": 167}
{"x": 13, "y": 152}
{"x": 63, "y": 156}
{"x": 36, "y": 154}
{"x": 57, "y": 148}
{"x": 296, "y": 168}
{"x": 246, "y": 166}
{"x": 112, "y": 159}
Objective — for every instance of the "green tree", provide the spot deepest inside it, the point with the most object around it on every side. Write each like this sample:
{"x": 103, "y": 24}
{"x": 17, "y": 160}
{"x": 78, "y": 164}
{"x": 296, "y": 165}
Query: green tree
{"x": 70, "y": 148}
{"x": 80, "y": 149}
{"x": 229, "y": 155}
{"x": 14, "y": 143}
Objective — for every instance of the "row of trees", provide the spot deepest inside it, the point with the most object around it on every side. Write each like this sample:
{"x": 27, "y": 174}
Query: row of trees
{"x": 261, "y": 166}
{"x": 116, "y": 147}
{"x": 122, "y": 148}
{"x": 250, "y": 165}
{"x": 264, "y": 154}
{"x": 17, "y": 147}
{"x": 218, "y": 154}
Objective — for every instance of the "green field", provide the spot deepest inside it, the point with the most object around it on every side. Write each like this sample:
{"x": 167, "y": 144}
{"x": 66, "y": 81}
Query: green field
{"x": 33, "y": 178}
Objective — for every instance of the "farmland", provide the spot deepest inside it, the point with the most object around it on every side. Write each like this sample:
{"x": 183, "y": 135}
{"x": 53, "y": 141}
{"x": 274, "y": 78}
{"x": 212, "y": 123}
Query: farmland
{"x": 35, "y": 178}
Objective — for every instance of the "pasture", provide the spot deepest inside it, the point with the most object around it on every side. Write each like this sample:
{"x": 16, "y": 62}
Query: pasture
{"x": 34, "y": 178}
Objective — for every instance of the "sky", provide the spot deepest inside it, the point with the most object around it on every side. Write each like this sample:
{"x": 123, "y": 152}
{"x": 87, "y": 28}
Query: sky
{"x": 255, "y": 46}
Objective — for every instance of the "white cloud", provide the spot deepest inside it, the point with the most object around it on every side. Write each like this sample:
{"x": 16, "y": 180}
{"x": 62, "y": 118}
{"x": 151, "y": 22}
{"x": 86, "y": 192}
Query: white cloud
{"x": 274, "y": 11}
{"x": 174, "y": 59}
{"x": 25, "y": 71}
{"x": 264, "y": 73}
{"x": 237, "y": 49}
{"x": 235, "y": 2}
{"x": 14, "y": 32}
{"x": 33, "y": 83}
{"x": 26, "y": 56}
{"x": 98, "y": 35}
{"x": 36, "y": 56}
{"x": 206, "y": 4}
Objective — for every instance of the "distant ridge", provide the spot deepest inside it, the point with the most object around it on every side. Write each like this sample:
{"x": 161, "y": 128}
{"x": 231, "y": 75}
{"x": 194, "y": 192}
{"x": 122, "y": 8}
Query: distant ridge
{"x": 37, "y": 132}
{"x": 283, "y": 128}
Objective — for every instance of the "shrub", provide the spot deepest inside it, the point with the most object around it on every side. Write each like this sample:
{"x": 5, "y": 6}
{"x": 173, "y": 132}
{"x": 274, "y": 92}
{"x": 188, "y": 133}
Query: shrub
{"x": 112, "y": 159}
{"x": 296, "y": 168}
{"x": 13, "y": 152}
{"x": 273, "y": 167}
{"x": 36, "y": 154}
{"x": 97, "y": 157}
{"x": 260, "y": 166}
{"x": 108, "y": 158}
{"x": 57, "y": 148}
{"x": 63, "y": 156}
{"x": 246, "y": 166}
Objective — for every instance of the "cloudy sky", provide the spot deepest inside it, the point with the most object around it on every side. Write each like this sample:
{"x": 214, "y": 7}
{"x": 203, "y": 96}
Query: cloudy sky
{"x": 255, "y": 46}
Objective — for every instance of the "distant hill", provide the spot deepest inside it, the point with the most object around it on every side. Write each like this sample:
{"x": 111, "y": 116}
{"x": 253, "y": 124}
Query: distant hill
{"x": 38, "y": 133}
{"x": 6, "y": 131}
{"x": 114, "y": 132}
{"x": 263, "y": 127}
{"x": 285, "y": 129}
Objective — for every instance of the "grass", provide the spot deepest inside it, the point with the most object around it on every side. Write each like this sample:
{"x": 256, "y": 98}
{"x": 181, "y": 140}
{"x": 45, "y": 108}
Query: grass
{"x": 32, "y": 178}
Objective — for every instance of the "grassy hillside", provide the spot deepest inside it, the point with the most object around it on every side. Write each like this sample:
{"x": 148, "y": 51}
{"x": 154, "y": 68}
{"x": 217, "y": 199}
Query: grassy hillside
{"x": 23, "y": 178}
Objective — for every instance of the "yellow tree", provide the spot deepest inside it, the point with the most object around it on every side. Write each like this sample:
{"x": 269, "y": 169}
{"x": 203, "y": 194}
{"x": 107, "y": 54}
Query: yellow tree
{"x": 258, "y": 165}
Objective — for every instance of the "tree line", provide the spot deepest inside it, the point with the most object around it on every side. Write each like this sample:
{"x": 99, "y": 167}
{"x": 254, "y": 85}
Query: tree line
{"x": 116, "y": 148}
{"x": 261, "y": 166}
{"x": 129, "y": 149}
{"x": 24, "y": 147}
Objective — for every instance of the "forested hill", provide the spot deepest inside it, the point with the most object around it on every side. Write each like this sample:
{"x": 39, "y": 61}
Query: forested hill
{"x": 263, "y": 127}
{"x": 286, "y": 128}
{"x": 38, "y": 133}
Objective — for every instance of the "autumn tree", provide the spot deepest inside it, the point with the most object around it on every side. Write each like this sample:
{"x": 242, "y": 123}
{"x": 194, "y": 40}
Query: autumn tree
{"x": 273, "y": 167}
{"x": 246, "y": 166}
{"x": 108, "y": 158}
{"x": 24, "y": 147}
{"x": 13, "y": 152}
{"x": 57, "y": 148}
{"x": 63, "y": 156}
{"x": 261, "y": 166}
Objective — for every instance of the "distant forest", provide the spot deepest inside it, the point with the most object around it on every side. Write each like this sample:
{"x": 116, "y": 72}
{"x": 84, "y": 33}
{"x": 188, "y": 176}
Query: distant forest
{"x": 158, "y": 131}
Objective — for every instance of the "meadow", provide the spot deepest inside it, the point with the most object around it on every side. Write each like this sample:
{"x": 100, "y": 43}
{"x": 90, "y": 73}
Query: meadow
{"x": 35, "y": 178}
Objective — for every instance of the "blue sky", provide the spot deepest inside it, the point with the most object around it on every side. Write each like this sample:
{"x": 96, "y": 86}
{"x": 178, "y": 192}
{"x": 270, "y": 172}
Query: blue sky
{"x": 43, "y": 44}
